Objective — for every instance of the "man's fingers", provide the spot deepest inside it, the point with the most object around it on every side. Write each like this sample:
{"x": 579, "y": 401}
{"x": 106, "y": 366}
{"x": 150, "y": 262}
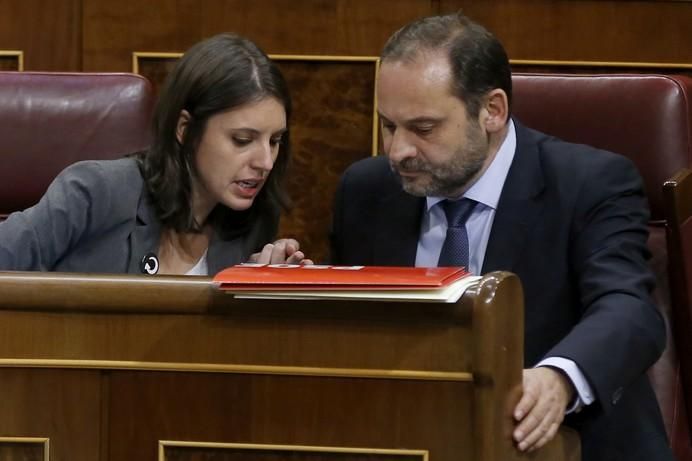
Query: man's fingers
{"x": 540, "y": 425}
{"x": 547, "y": 437}
{"x": 525, "y": 412}
{"x": 543, "y": 388}
{"x": 528, "y": 399}
{"x": 532, "y": 427}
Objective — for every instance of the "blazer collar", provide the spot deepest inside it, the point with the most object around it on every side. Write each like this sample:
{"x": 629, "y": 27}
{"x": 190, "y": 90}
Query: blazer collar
{"x": 146, "y": 235}
{"x": 518, "y": 207}
{"x": 146, "y": 239}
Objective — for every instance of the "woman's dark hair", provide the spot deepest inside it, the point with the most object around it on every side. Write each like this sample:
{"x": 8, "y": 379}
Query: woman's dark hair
{"x": 221, "y": 73}
{"x": 478, "y": 60}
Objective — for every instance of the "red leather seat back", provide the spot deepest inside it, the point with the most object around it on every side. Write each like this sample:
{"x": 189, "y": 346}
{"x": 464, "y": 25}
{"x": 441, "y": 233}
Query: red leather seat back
{"x": 644, "y": 117}
{"x": 647, "y": 118}
{"x": 678, "y": 200}
{"x": 50, "y": 120}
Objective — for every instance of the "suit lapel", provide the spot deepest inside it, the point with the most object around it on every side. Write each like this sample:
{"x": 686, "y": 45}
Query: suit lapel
{"x": 519, "y": 206}
{"x": 145, "y": 237}
{"x": 397, "y": 229}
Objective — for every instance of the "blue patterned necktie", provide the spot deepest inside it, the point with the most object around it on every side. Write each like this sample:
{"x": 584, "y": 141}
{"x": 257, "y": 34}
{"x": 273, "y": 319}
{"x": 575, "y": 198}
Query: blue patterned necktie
{"x": 455, "y": 250}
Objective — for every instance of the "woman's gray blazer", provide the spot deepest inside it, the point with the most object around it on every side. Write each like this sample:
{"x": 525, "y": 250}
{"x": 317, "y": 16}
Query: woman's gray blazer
{"x": 97, "y": 217}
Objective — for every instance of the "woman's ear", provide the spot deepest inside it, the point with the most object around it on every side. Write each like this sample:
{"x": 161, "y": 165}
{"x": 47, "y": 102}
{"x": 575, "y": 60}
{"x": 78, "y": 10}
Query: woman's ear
{"x": 495, "y": 111}
{"x": 181, "y": 127}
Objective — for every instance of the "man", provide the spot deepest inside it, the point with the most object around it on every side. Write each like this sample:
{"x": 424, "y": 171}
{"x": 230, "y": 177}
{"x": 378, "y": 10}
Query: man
{"x": 569, "y": 220}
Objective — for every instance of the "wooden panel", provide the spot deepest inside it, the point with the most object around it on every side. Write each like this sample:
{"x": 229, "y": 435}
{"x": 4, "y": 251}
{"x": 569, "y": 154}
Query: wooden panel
{"x": 11, "y": 60}
{"x": 334, "y": 27}
{"x": 59, "y": 405}
{"x": 168, "y": 324}
{"x": 8, "y": 63}
{"x": 154, "y": 66}
{"x": 49, "y": 33}
{"x": 113, "y": 30}
{"x": 25, "y": 449}
{"x": 55, "y": 36}
{"x": 332, "y": 127}
{"x": 359, "y": 413}
{"x": 317, "y": 342}
{"x": 586, "y": 30}
{"x": 85, "y": 316}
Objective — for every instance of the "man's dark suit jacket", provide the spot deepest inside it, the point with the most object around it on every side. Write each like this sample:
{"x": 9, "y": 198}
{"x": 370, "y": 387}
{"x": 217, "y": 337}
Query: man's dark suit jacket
{"x": 571, "y": 223}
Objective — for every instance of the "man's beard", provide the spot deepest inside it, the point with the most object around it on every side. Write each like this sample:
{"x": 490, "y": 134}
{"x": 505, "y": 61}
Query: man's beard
{"x": 449, "y": 179}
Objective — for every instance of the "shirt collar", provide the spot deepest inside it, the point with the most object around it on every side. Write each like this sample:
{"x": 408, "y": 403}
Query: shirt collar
{"x": 488, "y": 188}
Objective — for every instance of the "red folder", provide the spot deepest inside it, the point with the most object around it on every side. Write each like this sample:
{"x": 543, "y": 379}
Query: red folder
{"x": 256, "y": 277}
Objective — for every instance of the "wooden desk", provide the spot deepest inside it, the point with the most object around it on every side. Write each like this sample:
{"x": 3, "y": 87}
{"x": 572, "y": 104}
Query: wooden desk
{"x": 144, "y": 368}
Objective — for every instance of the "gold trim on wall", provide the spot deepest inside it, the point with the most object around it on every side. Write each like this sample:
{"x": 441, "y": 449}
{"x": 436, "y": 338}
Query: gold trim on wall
{"x": 305, "y": 448}
{"x": 375, "y": 115}
{"x": 137, "y": 55}
{"x": 610, "y": 64}
{"x": 14, "y": 54}
{"x": 43, "y": 440}
{"x": 420, "y": 375}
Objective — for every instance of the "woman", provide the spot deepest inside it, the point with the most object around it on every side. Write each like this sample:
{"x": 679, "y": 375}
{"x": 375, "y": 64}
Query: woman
{"x": 205, "y": 196}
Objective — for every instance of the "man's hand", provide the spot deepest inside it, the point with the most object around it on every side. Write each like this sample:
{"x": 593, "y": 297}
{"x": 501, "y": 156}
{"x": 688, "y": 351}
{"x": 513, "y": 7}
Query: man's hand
{"x": 539, "y": 413}
{"x": 283, "y": 251}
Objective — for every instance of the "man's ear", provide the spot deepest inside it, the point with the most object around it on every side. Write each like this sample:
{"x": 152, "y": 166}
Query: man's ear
{"x": 495, "y": 111}
{"x": 181, "y": 127}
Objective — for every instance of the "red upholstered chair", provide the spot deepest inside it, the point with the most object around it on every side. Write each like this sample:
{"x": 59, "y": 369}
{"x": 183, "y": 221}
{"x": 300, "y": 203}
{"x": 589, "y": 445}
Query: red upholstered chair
{"x": 50, "y": 120}
{"x": 677, "y": 193}
{"x": 647, "y": 118}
